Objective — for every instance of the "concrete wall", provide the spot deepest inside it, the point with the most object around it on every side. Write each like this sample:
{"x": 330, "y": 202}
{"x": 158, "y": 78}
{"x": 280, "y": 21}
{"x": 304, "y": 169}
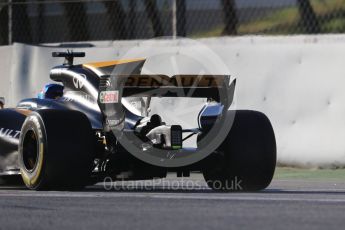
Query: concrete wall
{"x": 5, "y": 69}
{"x": 297, "y": 81}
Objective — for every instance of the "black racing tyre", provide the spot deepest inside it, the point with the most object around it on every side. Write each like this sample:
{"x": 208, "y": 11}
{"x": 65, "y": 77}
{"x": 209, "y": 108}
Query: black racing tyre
{"x": 56, "y": 150}
{"x": 246, "y": 159}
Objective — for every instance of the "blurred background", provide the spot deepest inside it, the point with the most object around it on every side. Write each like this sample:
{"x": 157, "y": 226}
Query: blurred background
{"x": 52, "y": 21}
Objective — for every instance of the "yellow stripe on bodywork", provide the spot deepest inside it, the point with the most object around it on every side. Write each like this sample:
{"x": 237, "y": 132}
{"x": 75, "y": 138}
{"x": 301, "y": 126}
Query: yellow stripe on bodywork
{"x": 25, "y": 112}
{"x": 111, "y": 63}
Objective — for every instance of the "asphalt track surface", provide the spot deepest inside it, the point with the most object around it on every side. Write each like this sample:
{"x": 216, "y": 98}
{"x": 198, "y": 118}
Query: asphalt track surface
{"x": 177, "y": 204}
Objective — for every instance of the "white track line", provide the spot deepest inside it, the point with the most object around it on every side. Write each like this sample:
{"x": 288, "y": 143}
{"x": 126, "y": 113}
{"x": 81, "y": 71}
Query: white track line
{"x": 214, "y": 197}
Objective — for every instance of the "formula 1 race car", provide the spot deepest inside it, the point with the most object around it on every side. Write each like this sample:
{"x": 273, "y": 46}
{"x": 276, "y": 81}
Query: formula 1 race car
{"x": 85, "y": 129}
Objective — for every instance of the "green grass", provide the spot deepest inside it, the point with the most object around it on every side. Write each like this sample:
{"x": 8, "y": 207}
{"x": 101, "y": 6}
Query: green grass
{"x": 285, "y": 21}
{"x": 309, "y": 174}
{"x": 282, "y": 18}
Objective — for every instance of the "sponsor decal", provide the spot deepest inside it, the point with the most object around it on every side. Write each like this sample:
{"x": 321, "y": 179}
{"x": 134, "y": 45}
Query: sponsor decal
{"x": 9, "y": 133}
{"x": 176, "y": 81}
{"x": 78, "y": 82}
{"x": 112, "y": 122}
{"x": 67, "y": 99}
{"x": 107, "y": 97}
{"x": 108, "y": 83}
{"x": 74, "y": 96}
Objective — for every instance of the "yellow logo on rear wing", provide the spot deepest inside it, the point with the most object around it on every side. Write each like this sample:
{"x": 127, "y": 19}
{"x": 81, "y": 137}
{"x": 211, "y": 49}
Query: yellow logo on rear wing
{"x": 185, "y": 81}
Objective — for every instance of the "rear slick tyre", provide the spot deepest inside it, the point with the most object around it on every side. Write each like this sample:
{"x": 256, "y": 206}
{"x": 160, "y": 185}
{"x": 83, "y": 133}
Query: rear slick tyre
{"x": 246, "y": 159}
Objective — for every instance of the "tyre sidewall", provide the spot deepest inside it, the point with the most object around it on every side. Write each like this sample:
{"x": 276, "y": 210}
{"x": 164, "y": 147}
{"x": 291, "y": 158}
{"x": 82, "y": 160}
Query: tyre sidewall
{"x": 33, "y": 178}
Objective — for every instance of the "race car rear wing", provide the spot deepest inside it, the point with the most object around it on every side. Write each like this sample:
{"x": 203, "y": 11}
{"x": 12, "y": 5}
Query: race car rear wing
{"x": 113, "y": 87}
{"x": 202, "y": 86}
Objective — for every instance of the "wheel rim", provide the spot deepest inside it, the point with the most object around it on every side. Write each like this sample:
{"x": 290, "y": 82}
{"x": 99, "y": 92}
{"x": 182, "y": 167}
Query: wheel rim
{"x": 30, "y": 151}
